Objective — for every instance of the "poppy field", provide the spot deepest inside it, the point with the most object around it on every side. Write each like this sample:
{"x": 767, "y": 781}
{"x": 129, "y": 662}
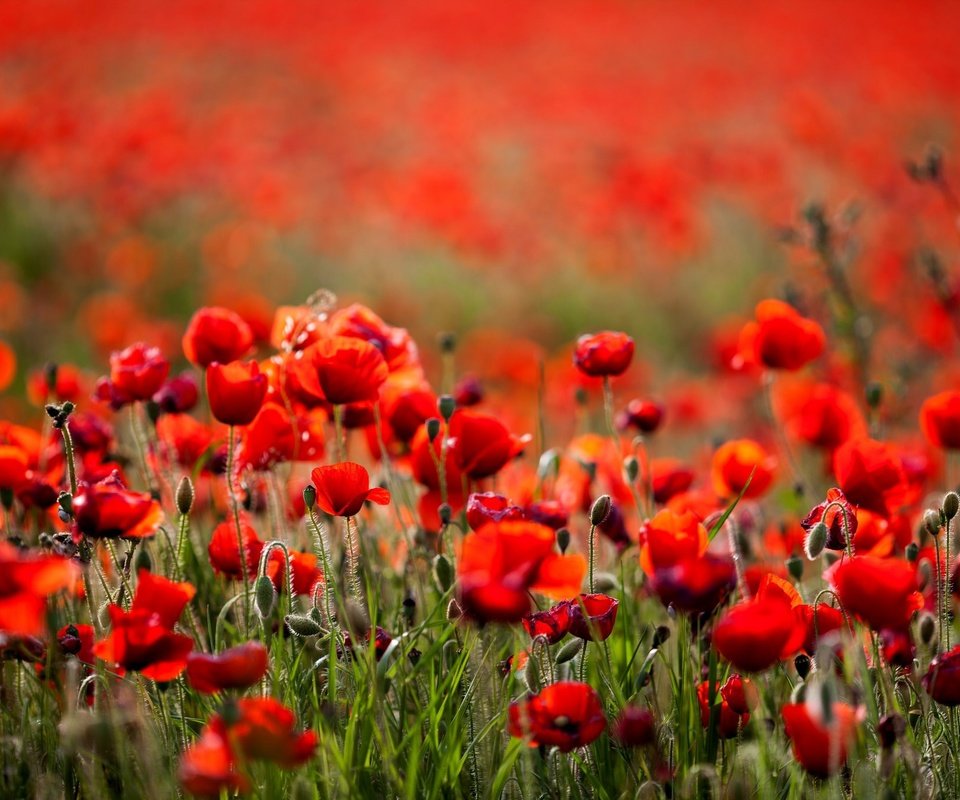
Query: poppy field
{"x": 555, "y": 400}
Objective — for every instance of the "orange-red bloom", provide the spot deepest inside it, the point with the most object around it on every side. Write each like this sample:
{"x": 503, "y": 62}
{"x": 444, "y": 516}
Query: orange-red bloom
{"x": 870, "y": 475}
{"x": 883, "y": 592}
{"x": 343, "y": 488}
{"x": 608, "y": 353}
{"x": 821, "y": 748}
{"x": 224, "y": 549}
{"x": 565, "y": 715}
{"x": 236, "y": 391}
{"x": 142, "y": 639}
{"x": 216, "y": 334}
{"x": 733, "y": 464}
{"x": 234, "y": 668}
{"x": 757, "y": 633}
{"x": 136, "y": 373}
{"x": 13, "y": 466}
{"x": 107, "y": 510}
{"x": 940, "y": 420}
{"x": 839, "y": 517}
{"x": 25, "y": 582}
{"x": 670, "y": 538}
{"x": 592, "y": 616}
{"x": 942, "y": 679}
{"x": 342, "y": 370}
{"x": 481, "y": 444}
{"x": 780, "y": 338}
{"x": 729, "y": 720}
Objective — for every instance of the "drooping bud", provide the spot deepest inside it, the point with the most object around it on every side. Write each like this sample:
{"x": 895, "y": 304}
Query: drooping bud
{"x": 951, "y": 504}
{"x": 795, "y": 567}
{"x": 446, "y": 405}
{"x": 931, "y": 521}
{"x": 912, "y": 552}
{"x": 433, "y": 428}
{"x": 631, "y": 468}
{"x": 600, "y": 510}
{"x": 302, "y": 625}
{"x": 928, "y": 628}
{"x": 569, "y": 651}
{"x": 816, "y": 540}
{"x": 660, "y": 635}
{"x": 447, "y": 342}
{"x": 802, "y": 663}
{"x": 185, "y": 495}
{"x": 445, "y": 513}
{"x": 309, "y": 496}
{"x": 264, "y": 597}
{"x": 563, "y": 540}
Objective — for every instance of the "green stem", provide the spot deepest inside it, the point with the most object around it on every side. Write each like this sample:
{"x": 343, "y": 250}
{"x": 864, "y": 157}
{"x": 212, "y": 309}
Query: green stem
{"x": 235, "y": 505}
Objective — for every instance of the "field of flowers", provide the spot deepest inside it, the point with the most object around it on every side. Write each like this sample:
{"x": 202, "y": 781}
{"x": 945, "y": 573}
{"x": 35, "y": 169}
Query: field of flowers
{"x": 430, "y": 400}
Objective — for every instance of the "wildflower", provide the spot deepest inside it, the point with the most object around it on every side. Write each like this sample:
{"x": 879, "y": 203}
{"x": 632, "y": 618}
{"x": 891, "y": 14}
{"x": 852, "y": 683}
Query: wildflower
{"x": 481, "y": 444}
{"x": 592, "y": 616}
{"x": 942, "y": 679}
{"x": 839, "y": 517}
{"x": 870, "y": 475}
{"x": 820, "y": 746}
{"x": 490, "y": 507}
{"x": 136, "y": 373}
{"x": 235, "y": 668}
{"x": 343, "y": 488}
{"x": 883, "y": 592}
{"x": 26, "y": 580}
{"x": 236, "y": 391}
{"x": 565, "y": 715}
{"x": 605, "y": 354}
{"x": 224, "y": 549}
{"x": 216, "y": 334}
{"x": 635, "y": 726}
{"x": 780, "y": 338}
{"x": 733, "y": 464}
{"x": 107, "y": 510}
{"x": 940, "y": 420}
{"x": 343, "y": 370}
{"x": 729, "y": 721}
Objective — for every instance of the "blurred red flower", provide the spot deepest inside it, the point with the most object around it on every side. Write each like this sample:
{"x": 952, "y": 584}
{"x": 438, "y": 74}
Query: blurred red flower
{"x": 605, "y": 354}
{"x": 26, "y": 580}
{"x": 780, "y": 338}
{"x": 216, "y": 334}
{"x": 733, "y": 463}
{"x": 821, "y": 748}
{"x": 136, "y": 373}
{"x": 565, "y": 715}
{"x": 107, "y": 510}
{"x": 343, "y": 370}
{"x": 343, "y": 488}
{"x": 883, "y": 592}
{"x": 481, "y": 445}
{"x": 940, "y": 420}
{"x": 870, "y": 474}
{"x": 942, "y": 679}
{"x": 235, "y": 668}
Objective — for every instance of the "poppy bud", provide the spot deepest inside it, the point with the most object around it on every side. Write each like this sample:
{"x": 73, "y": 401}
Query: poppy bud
{"x": 569, "y": 651}
{"x": 143, "y": 561}
{"x": 874, "y": 394}
{"x": 433, "y": 428}
{"x": 816, "y": 540}
{"x": 911, "y": 551}
{"x": 605, "y": 582}
{"x": 795, "y": 567}
{"x": 65, "y": 501}
{"x": 309, "y": 496}
{"x": 890, "y": 729}
{"x": 802, "y": 663}
{"x": 631, "y": 468}
{"x": 660, "y": 635}
{"x": 444, "y": 512}
{"x": 563, "y": 540}
{"x": 931, "y": 521}
{"x": 443, "y": 572}
{"x": 265, "y": 597}
{"x": 951, "y": 504}
{"x": 302, "y": 626}
{"x": 454, "y": 611}
{"x": 447, "y": 342}
{"x": 185, "y": 495}
{"x": 446, "y": 405}
{"x": 548, "y": 465}
{"x": 531, "y": 674}
{"x": 928, "y": 628}
{"x": 600, "y": 509}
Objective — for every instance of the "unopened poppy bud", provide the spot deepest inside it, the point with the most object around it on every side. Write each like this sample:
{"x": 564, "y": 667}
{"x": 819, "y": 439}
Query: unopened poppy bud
{"x": 433, "y": 428}
{"x": 444, "y": 512}
{"x": 816, "y": 540}
{"x": 912, "y": 551}
{"x": 660, "y": 635}
{"x": 605, "y": 583}
{"x": 447, "y": 342}
{"x": 802, "y": 663}
{"x": 600, "y": 510}
{"x": 951, "y": 504}
{"x": 446, "y": 405}
{"x": 443, "y": 572}
{"x": 65, "y": 501}
{"x": 928, "y": 628}
{"x": 143, "y": 561}
{"x": 931, "y": 521}
{"x": 873, "y": 394}
{"x": 569, "y": 651}
{"x": 531, "y": 675}
{"x": 185, "y": 495}
{"x": 631, "y": 468}
{"x": 890, "y": 729}
{"x": 563, "y": 540}
{"x": 795, "y": 567}
{"x": 302, "y": 626}
{"x": 309, "y": 496}
{"x": 454, "y": 611}
{"x": 264, "y": 597}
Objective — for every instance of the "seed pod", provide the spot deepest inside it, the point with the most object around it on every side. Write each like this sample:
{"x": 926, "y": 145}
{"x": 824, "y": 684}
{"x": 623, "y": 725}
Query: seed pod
{"x": 928, "y": 628}
{"x": 931, "y": 521}
{"x": 631, "y": 468}
{"x": 265, "y": 597}
{"x": 302, "y": 625}
{"x": 309, "y": 496}
{"x": 816, "y": 540}
{"x": 446, "y": 405}
{"x": 600, "y": 509}
{"x": 569, "y": 651}
{"x": 563, "y": 540}
{"x": 433, "y": 428}
{"x": 912, "y": 551}
{"x": 951, "y": 504}
{"x": 803, "y": 663}
{"x": 443, "y": 572}
{"x": 185, "y": 495}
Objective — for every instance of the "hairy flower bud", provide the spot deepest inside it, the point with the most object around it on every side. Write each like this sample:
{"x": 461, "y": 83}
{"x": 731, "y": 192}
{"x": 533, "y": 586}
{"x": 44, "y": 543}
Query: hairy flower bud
{"x": 951, "y": 504}
{"x": 185, "y": 495}
{"x": 816, "y": 540}
{"x": 600, "y": 509}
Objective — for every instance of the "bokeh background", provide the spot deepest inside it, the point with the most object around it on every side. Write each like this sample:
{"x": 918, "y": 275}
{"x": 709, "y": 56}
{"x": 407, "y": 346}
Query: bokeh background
{"x": 515, "y": 172}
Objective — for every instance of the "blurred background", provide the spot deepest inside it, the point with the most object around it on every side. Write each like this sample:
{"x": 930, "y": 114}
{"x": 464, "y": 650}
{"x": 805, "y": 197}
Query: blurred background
{"x": 518, "y": 173}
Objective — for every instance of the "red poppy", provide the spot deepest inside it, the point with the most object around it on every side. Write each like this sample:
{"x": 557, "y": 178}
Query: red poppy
{"x": 59, "y": 381}
{"x": 275, "y": 436}
{"x": 822, "y": 415}
{"x": 142, "y": 639}
{"x": 36, "y": 491}
{"x": 264, "y": 730}
{"x": 78, "y": 641}
{"x": 216, "y": 334}
{"x": 729, "y": 722}
{"x": 178, "y": 395}
{"x": 186, "y": 438}
{"x": 406, "y": 408}
{"x": 25, "y": 582}
{"x": 695, "y": 585}
{"x": 644, "y": 416}
{"x": 836, "y": 513}
{"x": 481, "y": 445}
{"x": 424, "y": 464}
{"x": 942, "y": 679}
{"x": 343, "y": 488}
{"x": 740, "y": 693}
{"x": 604, "y": 354}
{"x": 553, "y": 624}
{"x": 499, "y": 565}
{"x": 825, "y": 621}
{"x": 394, "y": 344}
{"x": 551, "y": 513}
{"x": 635, "y": 726}
{"x": 781, "y": 338}
{"x": 235, "y": 668}
{"x": 13, "y": 466}
{"x": 883, "y": 592}
{"x": 343, "y": 370}
{"x": 565, "y": 715}
{"x": 490, "y": 507}
{"x": 733, "y": 464}
{"x": 756, "y": 634}
{"x": 670, "y": 538}
{"x": 208, "y": 767}
{"x": 940, "y": 420}
{"x": 870, "y": 474}
{"x": 136, "y": 373}
{"x": 236, "y": 391}
{"x": 592, "y": 616}
{"x": 306, "y": 573}
{"x": 107, "y": 510}
{"x": 669, "y": 477}
{"x": 821, "y": 748}
{"x": 224, "y": 549}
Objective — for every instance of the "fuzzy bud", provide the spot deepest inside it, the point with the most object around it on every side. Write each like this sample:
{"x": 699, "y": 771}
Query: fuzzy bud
{"x": 795, "y": 567}
{"x": 443, "y": 572}
{"x": 631, "y": 468}
{"x": 433, "y": 428}
{"x": 931, "y": 521}
{"x": 569, "y": 651}
{"x": 912, "y": 552}
{"x": 447, "y": 342}
{"x": 951, "y": 504}
{"x": 445, "y": 513}
{"x": 446, "y": 405}
{"x": 928, "y": 628}
{"x": 302, "y": 626}
{"x": 185, "y": 495}
{"x": 816, "y": 540}
{"x": 600, "y": 510}
{"x": 143, "y": 561}
{"x": 264, "y": 597}
{"x": 309, "y": 496}
{"x": 563, "y": 539}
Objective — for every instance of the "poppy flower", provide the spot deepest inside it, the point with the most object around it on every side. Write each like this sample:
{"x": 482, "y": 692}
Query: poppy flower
{"x": 275, "y": 436}
{"x": 224, "y": 549}
{"x": 186, "y": 438}
{"x": 77, "y": 640}
{"x": 59, "y": 381}
{"x": 883, "y": 592}
{"x": 36, "y": 491}
{"x": 696, "y": 585}
{"x": 394, "y": 344}
{"x": 740, "y": 693}
{"x": 499, "y": 565}
{"x": 870, "y": 475}
{"x": 236, "y": 391}
{"x": 822, "y": 415}
{"x": 669, "y": 538}
{"x": 136, "y": 373}
{"x": 107, "y": 510}
{"x": 306, "y": 573}
{"x": 756, "y": 634}
{"x": 817, "y": 625}
{"x": 592, "y": 616}
{"x": 209, "y": 768}
{"x": 898, "y": 648}
{"x": 26, "y": 580}
{"x": 551, "y": 513}
{"x": 669, "y": 478}
{"x": 565, "y": 715}
{"x": 178, "y": 395}
{"x": 553, "y": 624}
{"x": 821, "y": 748}
{"x": 235, "y": 668}
{"x": 942, "y": 679}
{"x": 940, "y": 420}
{"x": 605, "y": 354}
{"x": 423, "y": 463}
{"x": 780, "y": 338}
{"x": 733, "y": 464}
{"x": 836, "y": 513}
{"x": 406, "y": 409}
{"x": 263, "y": 729}
{"x": 635, "y": 726}
{"x": 487, "y": 507}
{"x": 481, "y": 445}
{"x": 644, "y": 416}
{"x": 343, "y": 370}
{"x": 216, "y": 334}
{"x": 729, "y": 722}
{"x": 343, "y": 488}
{"x": 142, "y": 639}
{"x": 468, "y": 392}
{"x": 13, "y": 466}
